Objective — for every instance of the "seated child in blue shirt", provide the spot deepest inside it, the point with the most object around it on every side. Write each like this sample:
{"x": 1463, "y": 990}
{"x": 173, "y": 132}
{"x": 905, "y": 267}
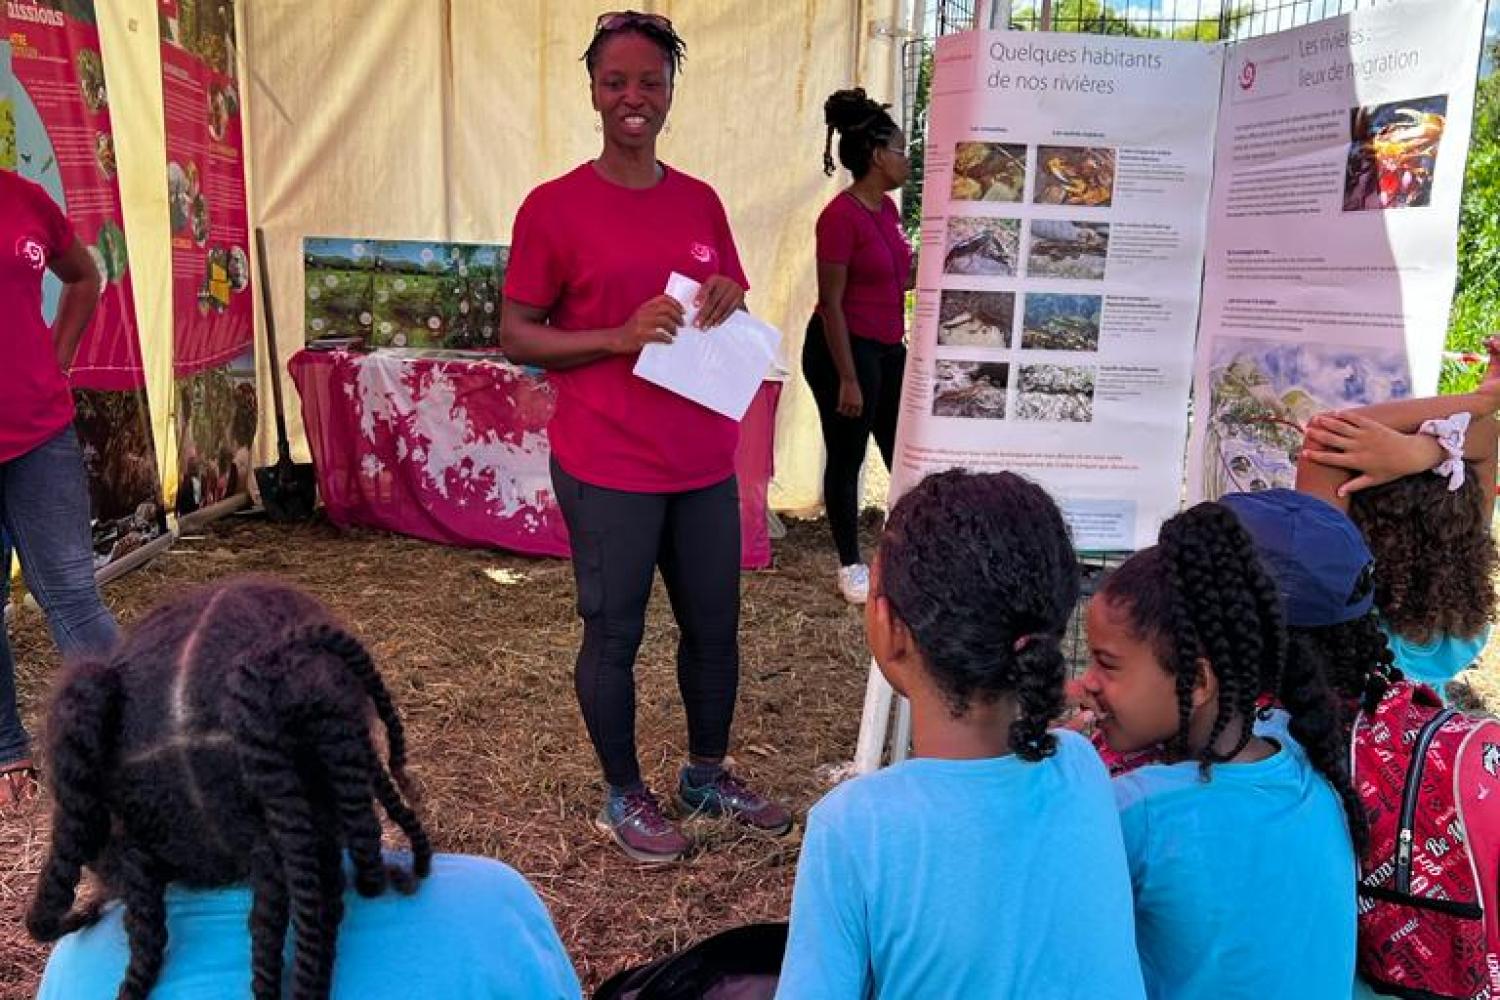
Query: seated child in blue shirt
{"x": 220, "y": 774}
{"x": 989, "y": 864}
{"x": 1240, "y": 854}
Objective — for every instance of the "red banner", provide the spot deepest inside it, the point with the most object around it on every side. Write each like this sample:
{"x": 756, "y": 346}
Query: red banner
{"x": 63, "y": 141}
{"x": 211, "y": 294}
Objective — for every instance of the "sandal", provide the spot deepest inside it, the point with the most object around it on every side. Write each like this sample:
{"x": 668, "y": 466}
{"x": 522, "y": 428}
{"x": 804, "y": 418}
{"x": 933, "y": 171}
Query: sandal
{"x": 19, "y": 783}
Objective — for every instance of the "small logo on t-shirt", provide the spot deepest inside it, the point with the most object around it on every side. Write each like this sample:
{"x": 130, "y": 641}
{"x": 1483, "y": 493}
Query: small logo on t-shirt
{"x": 31, "y": 252}
{"x": 702, "y": 252}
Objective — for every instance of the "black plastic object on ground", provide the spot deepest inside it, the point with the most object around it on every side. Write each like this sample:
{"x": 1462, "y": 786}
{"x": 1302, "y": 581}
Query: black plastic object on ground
{"x": 743, "y": 963}
{"x": 288, "y": 490}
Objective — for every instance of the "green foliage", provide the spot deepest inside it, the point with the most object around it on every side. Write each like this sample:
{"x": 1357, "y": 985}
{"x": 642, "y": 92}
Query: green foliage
{"x": 1476, "y": 300}
{"x": 1096, "y": 17}
{"x": 916, "y": 151}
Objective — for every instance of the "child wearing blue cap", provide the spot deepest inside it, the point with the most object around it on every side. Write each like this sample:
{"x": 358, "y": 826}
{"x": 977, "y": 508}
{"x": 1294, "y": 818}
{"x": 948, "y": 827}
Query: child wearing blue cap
{"x": 1241, "y": 858}
{"x": 1417, "y": 477}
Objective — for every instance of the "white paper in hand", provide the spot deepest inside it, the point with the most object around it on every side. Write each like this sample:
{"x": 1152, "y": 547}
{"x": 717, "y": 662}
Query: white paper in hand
{"x": 720, "y": 368}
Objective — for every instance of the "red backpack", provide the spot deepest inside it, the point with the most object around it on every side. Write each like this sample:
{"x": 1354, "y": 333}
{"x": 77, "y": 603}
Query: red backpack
{"x": 1429, "y": 888}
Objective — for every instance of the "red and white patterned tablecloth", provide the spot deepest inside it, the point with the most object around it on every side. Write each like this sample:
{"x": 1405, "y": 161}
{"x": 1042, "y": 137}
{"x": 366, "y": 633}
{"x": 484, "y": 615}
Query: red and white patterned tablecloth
{"x": 455, "y": 450}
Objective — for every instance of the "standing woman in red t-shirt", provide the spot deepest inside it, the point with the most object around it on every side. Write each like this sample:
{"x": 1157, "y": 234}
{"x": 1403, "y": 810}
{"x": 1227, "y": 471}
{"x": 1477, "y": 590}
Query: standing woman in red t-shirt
{"x": 853, "y": 357}
{"x": 644, "y": 477}
{"x": 44, "y": 499}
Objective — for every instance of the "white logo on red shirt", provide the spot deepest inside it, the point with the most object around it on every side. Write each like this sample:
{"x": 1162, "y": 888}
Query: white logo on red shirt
{"x": 31, "y": 252}
{"x": 702, "y": 253}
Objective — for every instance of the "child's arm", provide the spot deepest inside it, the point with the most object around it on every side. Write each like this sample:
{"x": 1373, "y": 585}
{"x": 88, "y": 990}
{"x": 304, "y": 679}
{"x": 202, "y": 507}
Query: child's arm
{"x": 1355, "y": 449}
{"x": 826, "y": 942}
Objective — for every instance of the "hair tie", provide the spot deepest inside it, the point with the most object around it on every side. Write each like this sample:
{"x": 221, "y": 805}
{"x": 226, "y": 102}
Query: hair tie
{"x": 1023, "y": 642}
{"x": 1450, "y": 435}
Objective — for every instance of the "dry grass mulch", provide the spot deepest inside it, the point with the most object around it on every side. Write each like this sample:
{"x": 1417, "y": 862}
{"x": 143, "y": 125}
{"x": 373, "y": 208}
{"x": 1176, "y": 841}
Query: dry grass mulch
{"x": 478, "y": 650}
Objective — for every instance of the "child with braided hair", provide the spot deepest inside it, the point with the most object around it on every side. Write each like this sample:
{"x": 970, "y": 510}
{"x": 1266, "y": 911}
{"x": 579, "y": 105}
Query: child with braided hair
{"x": 990, "y": 863}
{"x": 219, "y": 773}
{"x": 1241, "y": 846}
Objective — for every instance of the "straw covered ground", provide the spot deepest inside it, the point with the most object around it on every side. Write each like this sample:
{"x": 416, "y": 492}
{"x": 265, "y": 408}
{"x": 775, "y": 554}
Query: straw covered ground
{"x": 478, "y": 648}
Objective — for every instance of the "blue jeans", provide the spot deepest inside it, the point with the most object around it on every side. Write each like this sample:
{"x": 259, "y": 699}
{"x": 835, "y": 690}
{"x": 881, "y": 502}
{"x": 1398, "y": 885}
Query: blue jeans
{"x": 44, "y": 514}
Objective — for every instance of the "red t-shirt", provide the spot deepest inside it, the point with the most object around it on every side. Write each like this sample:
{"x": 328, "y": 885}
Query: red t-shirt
{"x": 35, "y": 401}
{"x": 878, "y": 257}
{"x": 591, "y": 252}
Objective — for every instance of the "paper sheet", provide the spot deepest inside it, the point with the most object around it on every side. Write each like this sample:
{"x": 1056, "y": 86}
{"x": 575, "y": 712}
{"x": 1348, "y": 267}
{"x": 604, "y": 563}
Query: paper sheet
{"x": 720, "y": 368}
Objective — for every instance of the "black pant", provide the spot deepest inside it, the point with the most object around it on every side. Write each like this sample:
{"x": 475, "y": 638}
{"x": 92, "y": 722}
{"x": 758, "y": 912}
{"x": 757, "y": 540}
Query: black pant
{"x": 879, "y": 368}
{"x": 618, "y": 539}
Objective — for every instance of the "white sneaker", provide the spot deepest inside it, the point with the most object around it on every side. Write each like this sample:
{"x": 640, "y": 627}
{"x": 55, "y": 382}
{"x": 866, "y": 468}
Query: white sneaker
{"x": 854, "y": 583}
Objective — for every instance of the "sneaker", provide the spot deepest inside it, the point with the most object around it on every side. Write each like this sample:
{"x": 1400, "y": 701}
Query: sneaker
{"x": 727, "y": 795}
{"x": 854, "y": 583}
{"x": 635, "y": 822}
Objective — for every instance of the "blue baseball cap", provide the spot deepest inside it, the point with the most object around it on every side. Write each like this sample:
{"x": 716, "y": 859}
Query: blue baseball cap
{"x": 1315, "y": 554}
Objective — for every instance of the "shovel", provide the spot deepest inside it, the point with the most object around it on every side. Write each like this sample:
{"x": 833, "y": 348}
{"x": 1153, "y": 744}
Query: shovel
{"x": 288, "y": 490}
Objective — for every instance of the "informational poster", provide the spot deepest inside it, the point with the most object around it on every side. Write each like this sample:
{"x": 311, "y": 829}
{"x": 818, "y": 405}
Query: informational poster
{"x": 211, "y": 295}
{"x": 1067, "y": 183}
{"x": 1331, "y": 255}
{"x": 404, "y": 293}
{"x": 55, "y": 130}
{"x": 213, "y": 328}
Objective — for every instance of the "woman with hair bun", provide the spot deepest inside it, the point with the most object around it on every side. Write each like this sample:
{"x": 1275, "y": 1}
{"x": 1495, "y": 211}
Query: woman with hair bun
{"x": 853, "y": 356}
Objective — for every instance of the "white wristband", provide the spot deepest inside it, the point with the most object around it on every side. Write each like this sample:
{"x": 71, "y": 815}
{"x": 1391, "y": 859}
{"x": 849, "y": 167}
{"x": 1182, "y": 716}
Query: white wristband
{"x": 1450, "y": 435}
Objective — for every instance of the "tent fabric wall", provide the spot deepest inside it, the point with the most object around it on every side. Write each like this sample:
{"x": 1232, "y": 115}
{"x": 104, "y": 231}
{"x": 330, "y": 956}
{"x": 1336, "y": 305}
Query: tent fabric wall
{"x": 431, "y": 119}
{"x": 132, "y": 70}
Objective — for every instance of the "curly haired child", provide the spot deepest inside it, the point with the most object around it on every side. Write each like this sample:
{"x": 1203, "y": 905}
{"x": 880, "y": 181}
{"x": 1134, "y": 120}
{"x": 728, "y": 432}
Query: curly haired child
{"x": 219, "y": 773}
{"x": 1418, "y": 478}
{"x": 1240, "y": 855}
{"x": 990, "y": 863}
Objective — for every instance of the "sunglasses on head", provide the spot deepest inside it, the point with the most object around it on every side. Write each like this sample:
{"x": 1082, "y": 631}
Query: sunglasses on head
{"x": 616, "y": 19}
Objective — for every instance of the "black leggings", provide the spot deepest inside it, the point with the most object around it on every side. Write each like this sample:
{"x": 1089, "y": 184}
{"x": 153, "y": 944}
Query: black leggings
{"x": 879, "y": 368}
{"x": 618, "y": 539}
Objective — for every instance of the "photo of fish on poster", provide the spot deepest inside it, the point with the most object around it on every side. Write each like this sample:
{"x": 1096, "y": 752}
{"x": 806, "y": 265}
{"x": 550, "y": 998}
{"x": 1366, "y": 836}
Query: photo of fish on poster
{"x": 980, "y": 246}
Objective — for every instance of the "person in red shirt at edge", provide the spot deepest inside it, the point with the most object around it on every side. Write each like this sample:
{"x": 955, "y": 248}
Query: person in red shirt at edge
{"x": 853, "y": 357}
{"x": 645, "y": 478}
{"x": 44, "y": 499}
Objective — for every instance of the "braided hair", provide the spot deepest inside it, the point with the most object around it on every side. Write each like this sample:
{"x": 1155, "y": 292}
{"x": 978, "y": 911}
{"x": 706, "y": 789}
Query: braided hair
{"x": 1354, "y": 656}
{"x": 863, "y": 126}
{"x": 980, "y": 569}
{"x": 1202, "y": 593}
{"x": 654, "y": 29}
{"x": 227, "y": 740}
{"x": 1434, "y": 557}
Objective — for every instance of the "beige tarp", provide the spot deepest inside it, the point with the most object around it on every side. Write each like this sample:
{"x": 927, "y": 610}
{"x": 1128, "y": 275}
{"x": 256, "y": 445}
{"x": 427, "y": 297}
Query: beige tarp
{"x": 431, "y": 119}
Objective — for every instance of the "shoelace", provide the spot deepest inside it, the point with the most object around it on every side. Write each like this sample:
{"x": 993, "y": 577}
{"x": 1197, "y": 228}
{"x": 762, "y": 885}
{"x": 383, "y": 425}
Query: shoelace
{"x": 730, "y": 786}
{"x": 642, "y": 808}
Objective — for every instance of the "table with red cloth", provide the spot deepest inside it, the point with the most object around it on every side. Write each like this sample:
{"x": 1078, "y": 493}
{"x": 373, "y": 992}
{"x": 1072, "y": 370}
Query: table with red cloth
{"x": 453, "y": 448}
